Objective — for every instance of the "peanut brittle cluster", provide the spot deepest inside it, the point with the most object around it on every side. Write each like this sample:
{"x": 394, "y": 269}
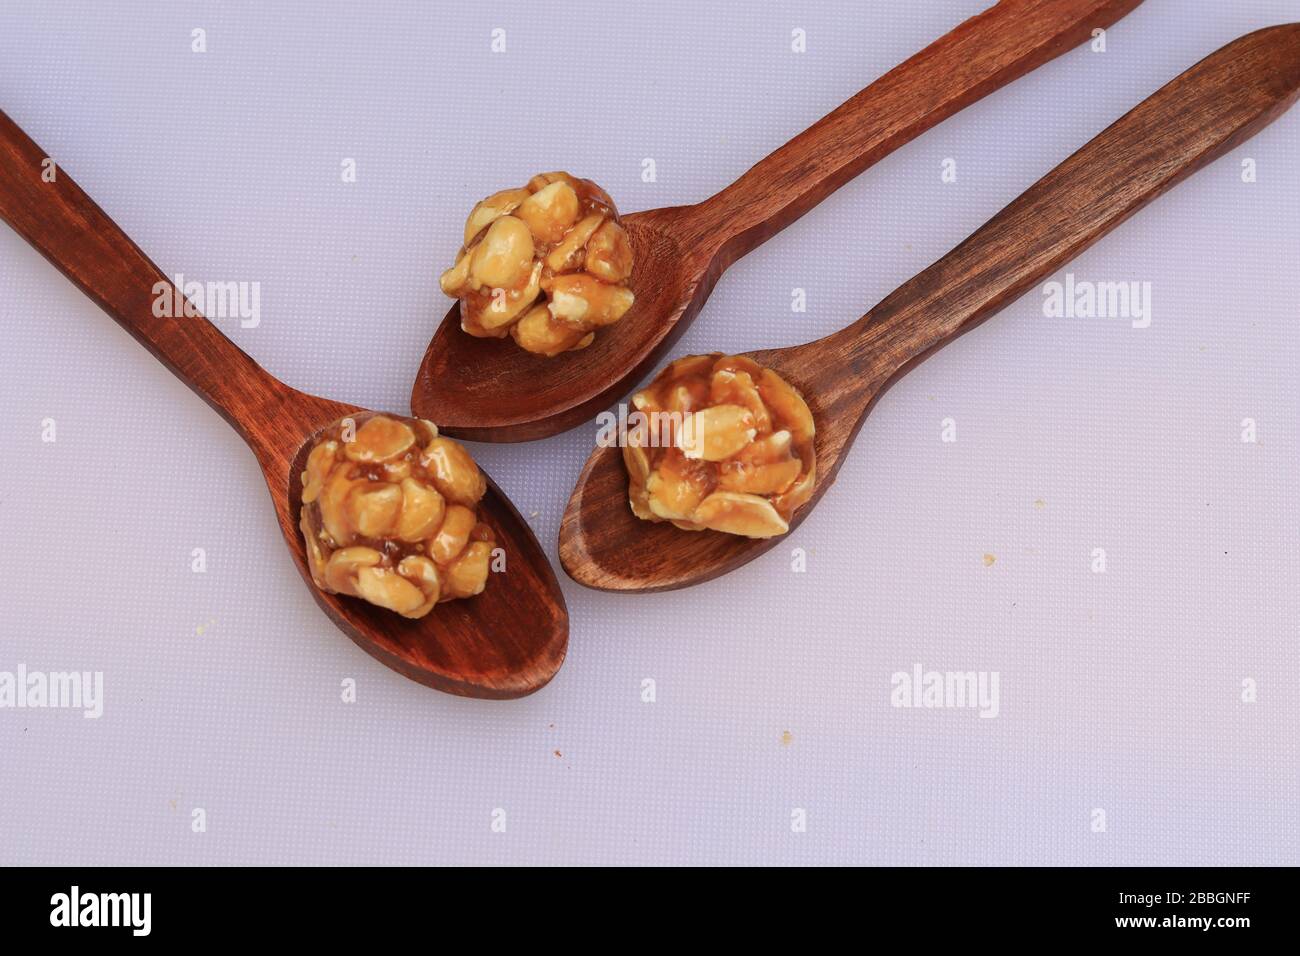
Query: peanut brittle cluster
{"x": 721, "y": 443}
{"x": 547, "y": 264}
{"x": 389, "y": 515}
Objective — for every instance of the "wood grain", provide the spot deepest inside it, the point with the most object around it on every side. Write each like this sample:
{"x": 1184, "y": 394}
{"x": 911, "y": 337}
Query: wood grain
{"x": 491, "y": 390}
{"x": 507, "y": 642}
{"x": 1207, "y": 111}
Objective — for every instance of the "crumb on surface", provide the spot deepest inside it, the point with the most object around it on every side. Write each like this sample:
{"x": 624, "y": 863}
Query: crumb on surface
{"x": 989, "y": 559}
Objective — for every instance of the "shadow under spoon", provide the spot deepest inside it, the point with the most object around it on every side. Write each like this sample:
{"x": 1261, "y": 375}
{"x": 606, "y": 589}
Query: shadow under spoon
{"x": 1207, "y": 111}
{"x": 492, "y": 390}
{"x": 506, "y": 642}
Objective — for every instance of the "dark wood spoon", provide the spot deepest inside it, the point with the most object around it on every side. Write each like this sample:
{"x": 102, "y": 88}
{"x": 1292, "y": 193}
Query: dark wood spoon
{"x": 492, "y": 390}
{"x": 1216, "y": 105}
{"x": 507, "y": 642}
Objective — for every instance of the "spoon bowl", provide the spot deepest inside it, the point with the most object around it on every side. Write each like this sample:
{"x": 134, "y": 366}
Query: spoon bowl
{"x": 506, "y": 642}
{"x": 487, "y": 388}
{"x": 1216, "y": 105}
{"x": 603, "y": 545}
{"x": 492, "y": 390}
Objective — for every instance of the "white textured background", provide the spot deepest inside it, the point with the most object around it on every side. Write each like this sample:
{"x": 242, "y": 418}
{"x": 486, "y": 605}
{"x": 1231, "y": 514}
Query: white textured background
{"x": 1120, "y": 691}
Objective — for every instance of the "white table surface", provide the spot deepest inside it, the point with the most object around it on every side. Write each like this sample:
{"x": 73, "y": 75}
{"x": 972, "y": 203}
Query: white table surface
{"x": 1120, "y": 691}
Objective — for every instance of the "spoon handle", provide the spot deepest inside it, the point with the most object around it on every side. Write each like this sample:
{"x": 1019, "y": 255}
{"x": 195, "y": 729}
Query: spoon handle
{"x": 1215, "y": 106}
{"x": 47, "y": 208}
{"x": 979, "y": 56}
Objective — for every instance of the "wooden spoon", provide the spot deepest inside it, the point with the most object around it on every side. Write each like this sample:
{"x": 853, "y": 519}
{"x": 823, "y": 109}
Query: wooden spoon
{"x": 507, "y": 642}
{"x": 1216, "y": 105}
{"x": 492, "y": 390}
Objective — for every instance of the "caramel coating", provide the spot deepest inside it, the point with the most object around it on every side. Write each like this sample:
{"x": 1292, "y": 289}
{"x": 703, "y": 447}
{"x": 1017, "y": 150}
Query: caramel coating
{"x": 388, "y": 515}
{"x": 721, "y": 443}
{"x": 547, "y": 265}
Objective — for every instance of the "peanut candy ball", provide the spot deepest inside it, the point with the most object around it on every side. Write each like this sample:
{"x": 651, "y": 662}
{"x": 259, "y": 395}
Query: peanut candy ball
{"x": 388, "y": 515}
{"x": 720, "y": 443}
{"x": 547, "y": 265}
